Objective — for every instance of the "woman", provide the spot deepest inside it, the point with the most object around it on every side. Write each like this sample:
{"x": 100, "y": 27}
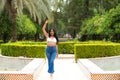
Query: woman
{"x": 52, "y": 48}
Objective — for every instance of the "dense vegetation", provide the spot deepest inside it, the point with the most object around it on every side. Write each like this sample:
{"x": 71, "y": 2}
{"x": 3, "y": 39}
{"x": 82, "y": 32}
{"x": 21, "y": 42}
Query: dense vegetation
{"x": 106, "y": 26}
{"x": 25, "y": 49}
{"x": 93, "y": 19}
{"x": 80, "y": 19}
{"x": 26, "y": 28}
{"x": 96, "y": 49}
{"x": 88, "y": 49}
{"x": 37, "y": 9}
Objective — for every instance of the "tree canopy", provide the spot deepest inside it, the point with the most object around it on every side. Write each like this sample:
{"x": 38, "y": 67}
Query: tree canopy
{"x": 38, "y": 9}
{"x": 107, "y": 24}
{"x": 90, "y": 18}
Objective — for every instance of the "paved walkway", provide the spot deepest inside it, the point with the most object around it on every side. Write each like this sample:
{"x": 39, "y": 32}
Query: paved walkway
{"x": 65, "y": 69}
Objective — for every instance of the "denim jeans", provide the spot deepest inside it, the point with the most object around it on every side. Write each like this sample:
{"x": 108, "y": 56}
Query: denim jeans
{"x": 51, "y": 54}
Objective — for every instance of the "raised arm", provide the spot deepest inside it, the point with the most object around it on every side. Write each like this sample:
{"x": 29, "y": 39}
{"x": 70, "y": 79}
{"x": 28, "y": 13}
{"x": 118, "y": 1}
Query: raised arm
{"x": 44, "y": 27}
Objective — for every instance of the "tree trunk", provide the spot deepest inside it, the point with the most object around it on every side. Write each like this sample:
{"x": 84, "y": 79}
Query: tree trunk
{"x": 5, "y": 36}
{"x": 13, "y": 11}
{"x": 101, "y": 7}
{"x": 86, "y": 6}
{"x": 36, "y": 36}
{"x": 14, "y": 33}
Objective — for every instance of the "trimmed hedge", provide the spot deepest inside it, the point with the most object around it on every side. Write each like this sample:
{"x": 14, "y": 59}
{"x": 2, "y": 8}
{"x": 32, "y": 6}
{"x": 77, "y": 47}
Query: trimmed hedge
{"x": 96, "y": 50}
{"x": 95, "y": 42}
{"x": 63, "y": 47}
{"x": 66, "y": 48}
{"x": 34, "y": 51}
{"x": 30, "y": 43}
{"x": 79, "y": 49}
{"x": 1, "y": 41}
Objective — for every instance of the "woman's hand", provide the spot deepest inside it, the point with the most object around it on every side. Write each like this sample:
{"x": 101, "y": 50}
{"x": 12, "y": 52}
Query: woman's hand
{"x": 57, "y": 55}
{"x": 46, "y": 21}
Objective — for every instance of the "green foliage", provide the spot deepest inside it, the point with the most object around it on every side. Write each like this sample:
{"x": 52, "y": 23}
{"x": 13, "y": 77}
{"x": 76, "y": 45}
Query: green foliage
{"x": 86, "y": 49}
{"x": 33, "y": 7}
{"x": 80, "y": 10}
{"x": 111, "y": 18}
{"x": 66, "y": 47}
{"x": 95, "y": 42}
{"x": 22, "y": 48}
{"x": 107, "y": 24}
{"x": 117, "y": 28}
{"x": 37, "y": 9}
{"x": 26, "y": 26}
{"x": 26, "y": 50}
{"x": 96, "y": 50}
{"x": 29, "y": 43}
{"x": 1, "y": 41}
{"x": 90, "y": 26}
{"x": 73, "y": 15}
{"x": 5, "y": 25}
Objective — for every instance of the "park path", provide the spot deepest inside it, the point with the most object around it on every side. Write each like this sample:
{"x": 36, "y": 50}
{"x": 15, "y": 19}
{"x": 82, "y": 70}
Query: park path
{"x": 65, "y": 69}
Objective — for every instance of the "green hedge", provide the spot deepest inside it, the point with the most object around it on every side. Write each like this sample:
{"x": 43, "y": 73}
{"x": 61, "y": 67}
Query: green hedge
{"x": 80, "y": 49}
{"x": 33, "y": 49}
{"x": 37, "y": 51}
{"x": 63, "y": 47}
{"x": 66, "y": 48}
{"x": 29, "y": 43}
{"x": 96, "y": 50}
{"x": 1, "y": 41}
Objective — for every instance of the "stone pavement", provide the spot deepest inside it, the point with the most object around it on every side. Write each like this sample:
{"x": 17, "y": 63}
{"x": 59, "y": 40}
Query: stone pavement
{"x": 65, "y": 69}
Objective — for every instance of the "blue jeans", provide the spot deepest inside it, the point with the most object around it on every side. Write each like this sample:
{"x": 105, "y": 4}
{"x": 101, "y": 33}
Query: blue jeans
{"x": 51, "y": 54}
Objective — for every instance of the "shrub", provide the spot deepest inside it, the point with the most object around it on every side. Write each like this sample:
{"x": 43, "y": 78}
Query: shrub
{"x": 66, "y": 47}
{"x": 63, "y": 47}
{"x": 96, "y": 50}
{"x": 85, "y": 49}
{"x": 106, "y": 25}
{"x": 30, "y": 43}
{"x": 1, "y": 41}
{"x": 37, "y": 51}
{"x": 26, "y": 26}
{"x": 34, "y": 49}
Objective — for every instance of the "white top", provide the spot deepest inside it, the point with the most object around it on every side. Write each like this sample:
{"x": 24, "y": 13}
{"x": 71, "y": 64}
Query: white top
{"x": 51, "y": 40}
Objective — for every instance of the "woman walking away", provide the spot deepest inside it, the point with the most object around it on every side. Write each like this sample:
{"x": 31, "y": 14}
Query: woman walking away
{"x": 52, "y": 47}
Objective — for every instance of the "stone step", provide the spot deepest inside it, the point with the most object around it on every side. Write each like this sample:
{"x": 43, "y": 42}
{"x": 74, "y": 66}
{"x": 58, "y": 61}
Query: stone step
{"x": 66, "y": 56}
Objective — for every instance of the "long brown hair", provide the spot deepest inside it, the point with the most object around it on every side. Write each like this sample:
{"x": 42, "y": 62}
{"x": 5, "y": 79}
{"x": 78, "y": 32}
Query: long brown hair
{"x": 55, "y": 35}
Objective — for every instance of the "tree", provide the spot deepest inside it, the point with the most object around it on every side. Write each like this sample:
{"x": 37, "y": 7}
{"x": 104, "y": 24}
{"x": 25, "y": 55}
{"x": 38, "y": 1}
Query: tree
{"x": 59, "y": 18}
{"x": 26, "y": 28}
{"x": 74, "y": 13}
{"x": 39, "y": 9}
{"x": 5, "y": 27}
{"x": 106, "y": 26}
